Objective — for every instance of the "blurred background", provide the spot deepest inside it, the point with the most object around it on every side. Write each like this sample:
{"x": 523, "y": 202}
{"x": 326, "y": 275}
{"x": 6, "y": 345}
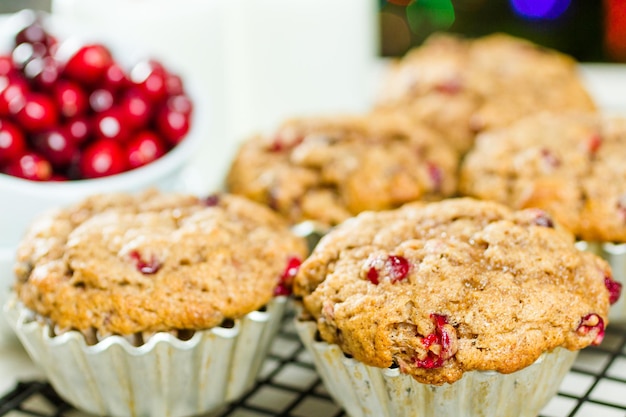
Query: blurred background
{"x": 589, "y": 30}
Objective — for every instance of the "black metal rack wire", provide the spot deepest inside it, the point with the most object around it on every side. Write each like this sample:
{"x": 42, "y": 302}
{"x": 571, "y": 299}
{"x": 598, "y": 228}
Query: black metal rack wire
{"x": 289, "y": 386}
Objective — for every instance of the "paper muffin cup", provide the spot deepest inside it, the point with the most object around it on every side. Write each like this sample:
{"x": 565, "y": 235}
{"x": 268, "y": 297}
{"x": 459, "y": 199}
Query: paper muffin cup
{"x": 166, "y": 376}
{"x": 615, "y": 255}
{"x": 364, "y": 390}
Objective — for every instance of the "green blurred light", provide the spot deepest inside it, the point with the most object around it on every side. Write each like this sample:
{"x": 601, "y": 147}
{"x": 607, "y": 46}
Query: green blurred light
{"x": 433, "y": 14}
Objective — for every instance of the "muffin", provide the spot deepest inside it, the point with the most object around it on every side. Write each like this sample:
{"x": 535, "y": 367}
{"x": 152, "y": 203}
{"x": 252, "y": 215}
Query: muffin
{"x": 570, "y": 164}
{"x": 327, "y": 169}
{"x": 453, "y": 307}
{"x": 462, "y": 86}
{"x": 154, "y": 303}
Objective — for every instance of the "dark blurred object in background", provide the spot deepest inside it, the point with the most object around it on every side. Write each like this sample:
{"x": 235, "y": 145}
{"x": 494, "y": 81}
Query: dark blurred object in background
{"x": 588, "y": 30}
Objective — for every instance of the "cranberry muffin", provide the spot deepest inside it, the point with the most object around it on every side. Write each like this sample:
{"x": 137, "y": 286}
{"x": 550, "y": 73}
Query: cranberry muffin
{"x": 462, "y": 86}
{"x": 569, "y": 164}
{"x": 327, "y": 169}
{"x": 434, "y": 299}
{"x": 117, "y": 278}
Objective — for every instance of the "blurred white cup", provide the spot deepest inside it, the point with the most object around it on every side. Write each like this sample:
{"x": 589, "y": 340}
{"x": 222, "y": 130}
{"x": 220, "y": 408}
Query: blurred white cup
{"x": 257, "y": 61}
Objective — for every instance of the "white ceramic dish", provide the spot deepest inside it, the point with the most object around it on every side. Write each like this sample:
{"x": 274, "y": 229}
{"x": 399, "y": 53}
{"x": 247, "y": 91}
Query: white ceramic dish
{"x": 22, "y": 200}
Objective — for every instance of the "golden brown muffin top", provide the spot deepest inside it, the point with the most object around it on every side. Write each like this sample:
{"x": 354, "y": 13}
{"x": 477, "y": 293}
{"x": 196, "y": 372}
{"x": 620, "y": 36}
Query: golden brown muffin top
{"x": 443, "y": 288}
{"x": 328, "y": 169}
{"x": 125, "y": 264}
{"x": 569, "y": 164}
{"x": 463, "y": 86}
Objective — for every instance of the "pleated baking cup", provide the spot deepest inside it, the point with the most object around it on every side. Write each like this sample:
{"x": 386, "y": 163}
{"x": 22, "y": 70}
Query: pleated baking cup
{"x": 364, "y": 390}
{"x": 165, "y": 376}
{"x": 615, "y": 255}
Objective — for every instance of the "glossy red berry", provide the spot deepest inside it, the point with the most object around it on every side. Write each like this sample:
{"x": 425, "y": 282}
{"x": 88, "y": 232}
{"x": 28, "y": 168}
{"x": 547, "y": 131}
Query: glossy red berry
{"x": 110, "y": 124}
{"x": 136, "y": 108}
{"x": 12, "y": 142}
{"x": 150, "y": 77}
{"x": 102, "y": 158}
{"x": 172, "y": 124}
{"x": 115, "y": 78}
{"x": 38, "y": 113}
{"x": 614, "y": 288}
{"x": 70, "y": 98}
{"x": 101, "y": 100}
{"x": 44, "y": 72}
{"x": 286, "y": 279}
{"x": 89, "y": 64}
{"x": 30, "y": 166}
{"x": 149, "y": 267}
{"x": 143, "y": 148}
{"x": 57, "y": 146}
{"x": 12, "y": 94}
{"x": 79, "y": 130}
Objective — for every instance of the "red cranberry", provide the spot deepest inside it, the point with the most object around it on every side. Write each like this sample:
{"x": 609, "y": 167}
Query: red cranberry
{"x": 286, "y": 279}
{"x": 542, "y": 218}
{"x": 57, "y": 146}
{"x": 101, "y": 100}
{"x": 110, "y": 124}
{"x": 136, "y": 108}
{"x": 212, "y": 200}
{"x": 12, "y": 142}
{"x": 143, "y": 148}
{"x": 115, "y": 78}
{"x": 38, "y": 112}
{"x": 6, "y": 65}
{"x": 70, "y": 98}
{"x": 33, "y": 32}
{"x": 23, "y": 53}
{"x": 399, "y": 267}
{"x": 43, "y": 71}
{"x": 13, "y": 95}
{"x": 440, "y": 346}
{"x": 372, "y": 276}
{"x": 150, "y": 76}
{"x": 102, "y": 158}
{"x": 172, "y": 124}
{"x": 89, "y": 64}
{"x": 145, "y": 267}
{"x": 436, "y": 176}
{"x": 614, "y": 288}
{"x": 78, "y": 129}
{"x": 174, "y": 85}
{"x": 549, "y": 158}
{"x": 592, "y": 323}
{"x": 451, "y": 87}
{"x": 593, "y": 144}
{"x": 30, "y": 166}
{"x": 180, "y": 103}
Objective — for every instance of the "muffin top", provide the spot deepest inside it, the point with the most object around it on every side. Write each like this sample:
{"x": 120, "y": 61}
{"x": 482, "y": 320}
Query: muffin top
{"x": 571, "y": 165}
{"x": 328, "y": 169}
{"x": 446, "y": 287}
{"x": 463, "y": 86}
{"x": 126, "y": 264}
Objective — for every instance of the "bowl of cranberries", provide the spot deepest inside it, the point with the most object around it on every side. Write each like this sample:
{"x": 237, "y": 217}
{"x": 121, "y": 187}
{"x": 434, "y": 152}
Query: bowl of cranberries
{"x": 78, "y": 117}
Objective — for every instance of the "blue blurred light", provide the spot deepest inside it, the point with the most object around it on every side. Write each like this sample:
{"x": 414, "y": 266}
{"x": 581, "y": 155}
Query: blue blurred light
{"x": 540, "y": 9}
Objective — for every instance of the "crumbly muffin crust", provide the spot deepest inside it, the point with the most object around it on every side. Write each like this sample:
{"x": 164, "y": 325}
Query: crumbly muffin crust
{"x": 329, "y": 168}
{"x": 125, "y": 264}
{"x": 570, "y": 164}
{"x": 443, "y": 288}
{"x": 460, "y": 86}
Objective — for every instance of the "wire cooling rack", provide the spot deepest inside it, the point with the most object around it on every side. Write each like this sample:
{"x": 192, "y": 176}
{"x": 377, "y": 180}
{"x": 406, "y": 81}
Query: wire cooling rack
{"x": 288, "y": 386}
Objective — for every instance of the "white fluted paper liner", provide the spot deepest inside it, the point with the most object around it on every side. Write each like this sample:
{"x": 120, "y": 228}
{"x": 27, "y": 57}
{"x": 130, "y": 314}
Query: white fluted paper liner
{"x": 165, "y": 377}
{"x": 364, "y": 390}
{"x": 615, "y": 255}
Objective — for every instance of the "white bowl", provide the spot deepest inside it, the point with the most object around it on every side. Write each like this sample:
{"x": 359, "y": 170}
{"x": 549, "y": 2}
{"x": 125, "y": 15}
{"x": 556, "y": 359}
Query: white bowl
{"x": 22, "y": 200}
